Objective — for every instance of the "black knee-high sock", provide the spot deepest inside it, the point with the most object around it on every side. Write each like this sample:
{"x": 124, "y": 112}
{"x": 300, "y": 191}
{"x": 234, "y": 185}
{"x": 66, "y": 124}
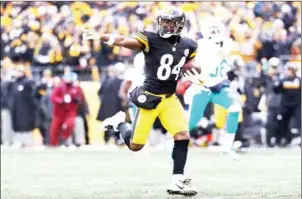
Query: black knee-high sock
{"x": 125, "y": 132}
{"x": 179, "y": 155}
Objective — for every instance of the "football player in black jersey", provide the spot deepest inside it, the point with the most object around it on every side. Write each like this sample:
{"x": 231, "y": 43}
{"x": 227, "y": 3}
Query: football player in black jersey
{"x": 165, "y": 52}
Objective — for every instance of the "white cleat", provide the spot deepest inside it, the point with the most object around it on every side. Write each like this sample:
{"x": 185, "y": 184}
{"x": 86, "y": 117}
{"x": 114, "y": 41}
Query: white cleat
{"x": 232, "y": 153}
{"x": 183, "y": 188}
{"x": 113, "y": 121}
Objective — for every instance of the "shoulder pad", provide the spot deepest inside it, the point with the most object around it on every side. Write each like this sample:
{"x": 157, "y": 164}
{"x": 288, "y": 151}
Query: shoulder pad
{"x": 192, "y": 44}
{"x": 144, "y": 37}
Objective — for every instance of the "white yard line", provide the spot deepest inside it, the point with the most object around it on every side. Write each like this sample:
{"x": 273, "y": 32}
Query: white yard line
{"x": 263, "y": 181}
{"x": 257, "y": 196}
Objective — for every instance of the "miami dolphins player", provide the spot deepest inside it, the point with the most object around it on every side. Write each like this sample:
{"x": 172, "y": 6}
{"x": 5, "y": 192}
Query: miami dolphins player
{"x": 133, "y": 77}
{"x": 212, "y": 85}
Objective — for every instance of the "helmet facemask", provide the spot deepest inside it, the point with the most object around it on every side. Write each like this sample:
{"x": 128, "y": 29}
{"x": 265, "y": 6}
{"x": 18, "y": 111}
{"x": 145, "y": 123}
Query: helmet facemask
{"x": 216, "y": 34}
{"x": 168, "y": 27}
{"x": 213, "y": 30}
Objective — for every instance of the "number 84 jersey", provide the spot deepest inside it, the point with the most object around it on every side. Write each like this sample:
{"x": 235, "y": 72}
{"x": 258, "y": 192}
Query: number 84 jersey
{"x": 164, "y": 59}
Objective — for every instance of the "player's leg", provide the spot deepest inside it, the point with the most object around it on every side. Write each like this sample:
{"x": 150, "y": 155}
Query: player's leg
{"x": 136, "y": 135}
{"x": 220, "y": 115}
{"x": 173, "y": 118}
{"x": 132, "y": 113}
{"x": 230, "y": 101}
{"x": 197, "y": 108}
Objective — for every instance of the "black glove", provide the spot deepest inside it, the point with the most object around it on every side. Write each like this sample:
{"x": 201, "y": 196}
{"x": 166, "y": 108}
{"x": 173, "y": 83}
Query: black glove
{"x": 231, "y": 75}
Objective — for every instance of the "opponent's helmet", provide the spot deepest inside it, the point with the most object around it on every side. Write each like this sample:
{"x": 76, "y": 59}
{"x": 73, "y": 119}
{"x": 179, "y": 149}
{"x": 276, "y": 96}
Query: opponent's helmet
{"x": 170, "y": 22}
{"x": 213, "y": 29}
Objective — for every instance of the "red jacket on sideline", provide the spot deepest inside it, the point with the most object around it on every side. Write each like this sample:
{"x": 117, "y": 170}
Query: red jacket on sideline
{"x": 66, "y": 99}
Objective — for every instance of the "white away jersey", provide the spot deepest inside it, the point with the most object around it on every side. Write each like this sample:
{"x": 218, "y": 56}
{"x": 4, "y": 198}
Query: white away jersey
{"x": 211, "y": 58}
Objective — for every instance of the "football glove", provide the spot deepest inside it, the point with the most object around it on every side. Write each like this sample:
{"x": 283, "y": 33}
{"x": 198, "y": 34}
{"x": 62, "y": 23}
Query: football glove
{"x": 193, "y": 77}
{"x": 89, "y": 34}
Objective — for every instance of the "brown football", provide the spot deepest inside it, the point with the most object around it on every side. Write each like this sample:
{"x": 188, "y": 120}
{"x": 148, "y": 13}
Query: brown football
{"x": 182, "y": 86}
{"x": 189, "y": 66}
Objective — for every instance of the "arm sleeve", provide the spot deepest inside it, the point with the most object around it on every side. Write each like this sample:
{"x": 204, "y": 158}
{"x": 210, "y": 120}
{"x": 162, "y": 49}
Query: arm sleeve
{"x": 142, "y": 37}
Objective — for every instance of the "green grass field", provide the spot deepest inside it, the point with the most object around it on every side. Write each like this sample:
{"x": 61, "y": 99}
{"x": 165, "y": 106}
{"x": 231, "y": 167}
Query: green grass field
{"x": 121, "y": 174}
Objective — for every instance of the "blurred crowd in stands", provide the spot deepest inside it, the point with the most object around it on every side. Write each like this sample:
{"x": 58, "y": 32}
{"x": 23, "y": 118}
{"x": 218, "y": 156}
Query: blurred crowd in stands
{"x": 43, "y": 58}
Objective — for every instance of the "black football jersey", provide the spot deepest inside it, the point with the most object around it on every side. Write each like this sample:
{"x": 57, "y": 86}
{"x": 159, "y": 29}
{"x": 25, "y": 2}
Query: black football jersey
{"x": 164, "y": 59}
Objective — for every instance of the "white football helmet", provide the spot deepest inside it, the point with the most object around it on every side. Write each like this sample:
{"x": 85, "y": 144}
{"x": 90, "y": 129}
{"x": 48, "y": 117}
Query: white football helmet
{"x": 213, "y": 29}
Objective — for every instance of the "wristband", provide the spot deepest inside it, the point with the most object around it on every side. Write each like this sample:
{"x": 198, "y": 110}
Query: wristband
{"x": 111, "y": 40}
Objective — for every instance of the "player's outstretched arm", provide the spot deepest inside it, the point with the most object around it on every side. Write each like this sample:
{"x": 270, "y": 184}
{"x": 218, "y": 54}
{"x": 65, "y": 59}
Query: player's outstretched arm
{"x": 119, "y": 40}
{"x": 113, "y": 39}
